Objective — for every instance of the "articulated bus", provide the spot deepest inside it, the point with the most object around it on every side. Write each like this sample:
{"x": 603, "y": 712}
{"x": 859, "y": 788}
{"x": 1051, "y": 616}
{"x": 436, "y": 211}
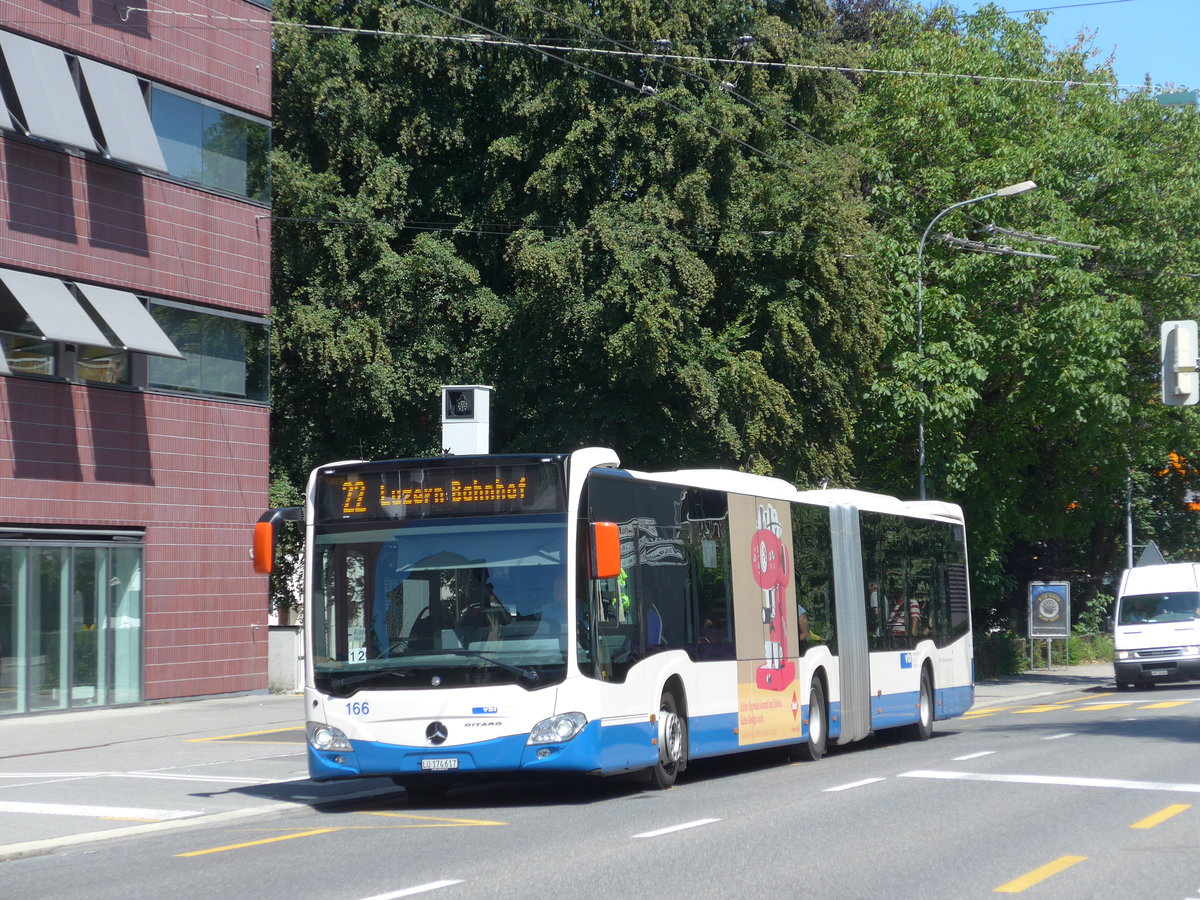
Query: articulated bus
{"x": 468, "y": 616}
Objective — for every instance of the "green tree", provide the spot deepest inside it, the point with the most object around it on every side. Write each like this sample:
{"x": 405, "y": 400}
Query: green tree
{"x": 1037, "y": 380}
{"x": 678, "y": 270}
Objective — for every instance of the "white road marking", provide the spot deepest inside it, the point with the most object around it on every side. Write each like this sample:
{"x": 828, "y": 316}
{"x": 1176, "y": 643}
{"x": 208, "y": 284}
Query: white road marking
{"x": 674, "y": 828}
{"x": 1059, "y": 780}
{"x": 419, "y": 889}
{"x": 1056, "y": 737}
{"x": 164, "y": 776}
{"x": 853, "y": 784}
{"x": 56, "y": 774}
{"x": 104, "y": 812}
{"x": 974, "y": 755}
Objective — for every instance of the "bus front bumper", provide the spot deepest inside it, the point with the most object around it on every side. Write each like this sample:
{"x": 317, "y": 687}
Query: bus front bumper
{"x": 505, "y": 754}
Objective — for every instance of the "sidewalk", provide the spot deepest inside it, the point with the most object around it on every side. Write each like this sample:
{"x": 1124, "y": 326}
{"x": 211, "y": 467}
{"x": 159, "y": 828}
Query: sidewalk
{"x": 81, "y": 777}
{"x": 1096, "y": 677}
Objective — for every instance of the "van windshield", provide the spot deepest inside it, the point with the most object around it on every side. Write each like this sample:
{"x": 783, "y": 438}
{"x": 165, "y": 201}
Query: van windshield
{"x": 1170, "y": 606}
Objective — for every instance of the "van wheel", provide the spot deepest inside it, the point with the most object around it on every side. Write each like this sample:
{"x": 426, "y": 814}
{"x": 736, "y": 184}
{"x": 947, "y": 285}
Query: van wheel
{"x": 672, "y": 744}
{"x": 818, "y": 722}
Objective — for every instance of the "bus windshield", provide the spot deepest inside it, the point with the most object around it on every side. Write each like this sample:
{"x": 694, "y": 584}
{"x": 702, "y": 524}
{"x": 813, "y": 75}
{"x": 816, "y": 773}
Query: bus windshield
{"x": 463, "y": 601}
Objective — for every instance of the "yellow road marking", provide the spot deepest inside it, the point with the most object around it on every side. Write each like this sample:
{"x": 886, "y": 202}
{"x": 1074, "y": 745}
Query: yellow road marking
{"x": 1038, "y": 875}
{"x": 273, "y": 840}
{"x": 1165, "y": 704}
{"x": 244, "y": 734}
{"x": 1161, "y": 816}
{"x": 1102, "y": 706}
{"x": 1050, "y": 707}
{"x": 420, "y": 822}
{"x": 441, "y": 822}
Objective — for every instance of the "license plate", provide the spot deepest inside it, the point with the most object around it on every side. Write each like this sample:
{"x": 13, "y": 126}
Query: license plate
{"x": 439, "y": 765}
{"x": 1157, "y": 672}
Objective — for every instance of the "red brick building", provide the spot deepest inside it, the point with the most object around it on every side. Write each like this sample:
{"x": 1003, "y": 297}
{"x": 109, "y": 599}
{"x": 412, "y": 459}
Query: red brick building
{"x": 134, "y": 289}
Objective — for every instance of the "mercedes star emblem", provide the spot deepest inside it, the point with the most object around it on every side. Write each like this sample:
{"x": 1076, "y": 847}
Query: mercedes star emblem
{"x": 436, "y": 733}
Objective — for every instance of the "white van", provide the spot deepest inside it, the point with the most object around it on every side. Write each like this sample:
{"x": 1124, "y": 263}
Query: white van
{"x": 1156, "y": 625}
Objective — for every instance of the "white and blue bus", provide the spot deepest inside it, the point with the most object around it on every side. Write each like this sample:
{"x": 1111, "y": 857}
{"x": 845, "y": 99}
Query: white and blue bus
{"x": 479, "y": 615}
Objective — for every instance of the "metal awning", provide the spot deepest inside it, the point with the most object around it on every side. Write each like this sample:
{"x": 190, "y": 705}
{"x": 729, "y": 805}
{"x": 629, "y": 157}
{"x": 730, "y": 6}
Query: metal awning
{"x": 54, "y": 311}
{"x": 131, "y": 322}
{"x": 46, "y": 91}
{"x": 123, "y": 114}
{"x": 6, "y": 121}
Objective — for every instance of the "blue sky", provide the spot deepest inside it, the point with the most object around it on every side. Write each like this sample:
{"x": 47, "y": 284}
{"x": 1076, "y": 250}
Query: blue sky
{"x": 1156, "y": 36}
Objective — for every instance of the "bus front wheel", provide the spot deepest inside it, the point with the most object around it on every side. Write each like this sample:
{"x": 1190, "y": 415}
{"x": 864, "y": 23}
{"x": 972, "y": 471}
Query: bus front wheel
{"x": 672, "y": 744}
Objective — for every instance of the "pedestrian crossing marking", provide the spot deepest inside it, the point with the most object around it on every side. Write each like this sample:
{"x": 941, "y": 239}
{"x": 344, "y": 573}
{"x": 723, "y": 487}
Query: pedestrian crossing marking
{"x": 1161, "y": 816}
{"x": 1029, "y": 879}
{"x": 1085, "y": 704}
{"x": 1166, "y": 704}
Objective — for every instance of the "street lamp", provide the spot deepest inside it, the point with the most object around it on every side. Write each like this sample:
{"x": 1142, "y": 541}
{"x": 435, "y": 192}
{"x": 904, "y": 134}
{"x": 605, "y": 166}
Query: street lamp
{"x": 1011, "y": 191}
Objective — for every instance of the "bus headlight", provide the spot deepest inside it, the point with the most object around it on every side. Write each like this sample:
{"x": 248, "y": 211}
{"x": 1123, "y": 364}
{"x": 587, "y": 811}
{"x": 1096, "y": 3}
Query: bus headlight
{"x": 1191, "y": 651}
{"x": 557, "y": 729}
{"x": 1123, "y": 654}
{"x": 326, "y": 737}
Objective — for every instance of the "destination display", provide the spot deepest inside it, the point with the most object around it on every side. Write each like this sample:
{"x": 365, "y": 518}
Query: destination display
{"x": 390, "y": 491}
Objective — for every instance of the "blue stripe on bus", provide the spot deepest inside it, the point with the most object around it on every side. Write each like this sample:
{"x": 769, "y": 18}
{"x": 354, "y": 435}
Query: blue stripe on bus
{"x": 617, "y": 748}
{"x": 954, "y": 701}
{"x": 891, "y": 710}
{"x": 608, "y": 750}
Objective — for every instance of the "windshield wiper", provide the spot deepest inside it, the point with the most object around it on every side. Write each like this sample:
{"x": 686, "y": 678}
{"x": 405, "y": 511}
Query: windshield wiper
{"x": 350, "y": 678}
{"x": 527, "y": 673}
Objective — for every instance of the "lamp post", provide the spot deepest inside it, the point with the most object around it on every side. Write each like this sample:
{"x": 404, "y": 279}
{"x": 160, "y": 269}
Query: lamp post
{"x": 1011, "y": 191}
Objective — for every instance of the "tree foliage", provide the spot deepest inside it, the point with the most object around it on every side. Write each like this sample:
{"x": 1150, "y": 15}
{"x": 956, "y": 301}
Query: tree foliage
{"x": 672, "y": 270}
{"x": 699, "y": 262}
{"x": 1038, "y": 377}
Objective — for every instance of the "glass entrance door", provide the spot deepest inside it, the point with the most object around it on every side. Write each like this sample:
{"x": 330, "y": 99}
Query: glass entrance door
{"x": 70, "y": 625}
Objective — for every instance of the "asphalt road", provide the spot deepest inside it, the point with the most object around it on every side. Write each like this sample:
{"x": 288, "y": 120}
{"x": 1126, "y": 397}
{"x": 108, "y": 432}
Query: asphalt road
{"x": 1074, "y": 791}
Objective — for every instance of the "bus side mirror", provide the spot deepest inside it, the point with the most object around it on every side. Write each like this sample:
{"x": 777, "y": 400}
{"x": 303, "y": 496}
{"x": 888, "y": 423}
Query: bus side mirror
{"x": 262, "y": 551}
{"x": 606, "y": 550}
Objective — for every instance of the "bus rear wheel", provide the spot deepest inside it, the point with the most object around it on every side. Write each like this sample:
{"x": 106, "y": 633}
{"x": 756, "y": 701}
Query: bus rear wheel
{"x": 814, "y": 748}
{"x": 672, "y": 744}
{"x": 922, "y": 729}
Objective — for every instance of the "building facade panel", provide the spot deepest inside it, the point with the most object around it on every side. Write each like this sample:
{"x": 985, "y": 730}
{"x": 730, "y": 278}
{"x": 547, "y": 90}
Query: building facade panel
{"x": 129, "y": 481}
{"x": 221, "y": 50}
{"x": 94, "y": 222}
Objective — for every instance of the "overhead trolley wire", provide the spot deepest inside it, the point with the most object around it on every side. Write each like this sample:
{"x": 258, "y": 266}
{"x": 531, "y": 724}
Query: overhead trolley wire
{"x": 497, "y": 39}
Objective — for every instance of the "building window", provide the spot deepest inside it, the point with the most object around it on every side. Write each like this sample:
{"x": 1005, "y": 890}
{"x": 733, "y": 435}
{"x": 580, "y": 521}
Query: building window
{"x": 103, "y": 364}
{"x": 70, "y": 624}
{"x": 211, "y": 145}
{"x": 224, "y": 355}
{"x": 28, "y": 355}
{"x": 78, "y": 102}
